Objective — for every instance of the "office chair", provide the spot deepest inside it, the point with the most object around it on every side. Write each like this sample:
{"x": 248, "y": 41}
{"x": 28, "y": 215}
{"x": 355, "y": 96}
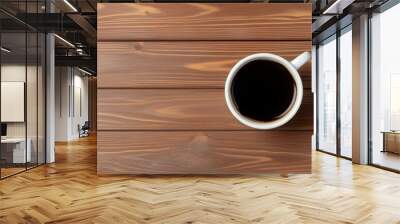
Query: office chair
{"x": 84, "y": 130}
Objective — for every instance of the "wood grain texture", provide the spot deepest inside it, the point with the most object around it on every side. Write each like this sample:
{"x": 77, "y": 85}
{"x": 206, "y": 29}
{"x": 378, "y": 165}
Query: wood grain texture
{"x": 196, "y": 152}
{"x": 162, "y": 70}
{"x": 191, "y": 21}
{"x": 179, "y": 109}
{"x": 184, "y": 64}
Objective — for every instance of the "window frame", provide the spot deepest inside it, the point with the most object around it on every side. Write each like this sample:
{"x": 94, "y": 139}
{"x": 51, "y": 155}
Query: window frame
{"x": 378, "y": 10}
{"x": 335, "y": 36}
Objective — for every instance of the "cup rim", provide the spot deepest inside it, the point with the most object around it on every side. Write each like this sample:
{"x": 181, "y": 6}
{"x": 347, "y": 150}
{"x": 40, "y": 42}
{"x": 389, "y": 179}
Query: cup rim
{"x": 282, "y": 119}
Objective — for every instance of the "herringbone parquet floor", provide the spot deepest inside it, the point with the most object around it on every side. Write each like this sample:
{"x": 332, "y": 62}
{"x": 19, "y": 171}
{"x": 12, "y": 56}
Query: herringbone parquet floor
{"x": 69, "y": 191}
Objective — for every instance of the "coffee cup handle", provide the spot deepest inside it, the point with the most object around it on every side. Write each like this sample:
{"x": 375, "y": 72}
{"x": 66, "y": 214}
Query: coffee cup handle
{"x": 301, "y": 60}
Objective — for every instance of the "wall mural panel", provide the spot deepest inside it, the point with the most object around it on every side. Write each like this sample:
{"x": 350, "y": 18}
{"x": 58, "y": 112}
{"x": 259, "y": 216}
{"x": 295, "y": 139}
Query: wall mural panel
{"x": 164, "y": 103}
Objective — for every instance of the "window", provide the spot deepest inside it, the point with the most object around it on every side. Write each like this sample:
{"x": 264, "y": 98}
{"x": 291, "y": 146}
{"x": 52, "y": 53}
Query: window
{"x": 327, "y": 96}
{"x": 346, "y": 92}
{"x": 385, "y": 89}
{"x": 334, "y": 106}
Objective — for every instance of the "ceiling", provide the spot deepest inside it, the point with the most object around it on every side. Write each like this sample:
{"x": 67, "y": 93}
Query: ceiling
{"x": 76, "y": 22}
{"x": 329, "y": 16}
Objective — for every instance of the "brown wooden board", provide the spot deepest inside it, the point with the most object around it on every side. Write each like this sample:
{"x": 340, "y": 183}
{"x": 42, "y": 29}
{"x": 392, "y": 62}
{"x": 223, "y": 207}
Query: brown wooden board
{"x": 179, "y": 109}
{"x": 161, "y": 75}
{"x": 191, "y": 21}
{"x": 184, "y": 64}
{"x": 208, "y": 152}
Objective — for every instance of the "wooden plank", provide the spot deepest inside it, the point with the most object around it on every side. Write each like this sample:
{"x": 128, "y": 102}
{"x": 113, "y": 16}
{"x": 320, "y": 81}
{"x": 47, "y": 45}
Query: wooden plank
{"x": 195, "y": 152}
{"x": 200, "y": 21}
{"x": 183, "y": 64}
{"x": 179, "y": 109}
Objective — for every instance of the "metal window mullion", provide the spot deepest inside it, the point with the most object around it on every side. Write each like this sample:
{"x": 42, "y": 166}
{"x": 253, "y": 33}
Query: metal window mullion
{"x": 369, "y": 95}
{"x": 45, "y": 90}
{"x": 37, "y": 91}
{"x": 317, "y": 96}
{"x": 338, "y": 95}
{"x": 26, "y": 88}
{"x": 0, "y": 95}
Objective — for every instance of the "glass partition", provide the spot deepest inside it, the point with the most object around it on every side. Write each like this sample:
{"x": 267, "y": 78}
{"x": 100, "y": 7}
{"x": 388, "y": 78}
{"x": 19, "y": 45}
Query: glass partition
{"x": 22, "y": 101}
{"x": 13, "y": 94}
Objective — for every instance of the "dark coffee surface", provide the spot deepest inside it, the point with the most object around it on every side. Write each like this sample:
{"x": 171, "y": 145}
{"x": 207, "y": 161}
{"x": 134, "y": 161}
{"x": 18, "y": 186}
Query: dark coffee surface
{"x": 263, "y": 90}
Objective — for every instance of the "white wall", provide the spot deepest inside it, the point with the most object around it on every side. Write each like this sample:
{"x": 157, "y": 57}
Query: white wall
{"x": 71, "y": 102}
{"x": 62, "y": 82}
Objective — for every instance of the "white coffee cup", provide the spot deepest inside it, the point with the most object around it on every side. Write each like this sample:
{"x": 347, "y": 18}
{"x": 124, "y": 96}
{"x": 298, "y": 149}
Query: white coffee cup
{"x": 266, "y": 62}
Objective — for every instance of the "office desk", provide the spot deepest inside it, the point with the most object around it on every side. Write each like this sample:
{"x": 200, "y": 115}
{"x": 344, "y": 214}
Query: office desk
{"x": 13, "y": 150}
{"x": 391, "y": 141}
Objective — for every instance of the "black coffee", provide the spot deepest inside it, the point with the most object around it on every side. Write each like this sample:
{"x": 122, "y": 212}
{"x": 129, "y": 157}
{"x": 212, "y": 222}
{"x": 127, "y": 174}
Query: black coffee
{"x": 263, "y": 90}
